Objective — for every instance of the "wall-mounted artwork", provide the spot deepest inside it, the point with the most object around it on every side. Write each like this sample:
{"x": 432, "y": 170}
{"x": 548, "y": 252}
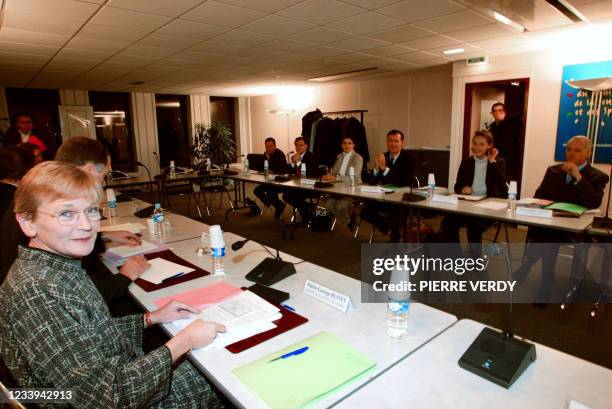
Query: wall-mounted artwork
{"x": 585, "y": 112}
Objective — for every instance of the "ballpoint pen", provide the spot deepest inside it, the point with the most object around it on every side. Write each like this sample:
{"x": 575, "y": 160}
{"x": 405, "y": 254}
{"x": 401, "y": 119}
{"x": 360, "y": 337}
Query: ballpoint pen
{"x": 173, "y": 277}
{"x": 290, "y": 354}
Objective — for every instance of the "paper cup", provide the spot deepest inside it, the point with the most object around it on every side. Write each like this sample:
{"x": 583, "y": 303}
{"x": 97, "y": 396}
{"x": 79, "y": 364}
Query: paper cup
{"x": 216, "y": 237}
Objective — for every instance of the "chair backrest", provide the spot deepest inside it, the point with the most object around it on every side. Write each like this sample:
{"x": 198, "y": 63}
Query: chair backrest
{"x": 13, "y": 404}
{"x": 256, "y": 161}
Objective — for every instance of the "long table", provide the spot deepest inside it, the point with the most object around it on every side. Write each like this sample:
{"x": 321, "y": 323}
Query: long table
{"x": 432, "y": 378}
{"x": 364, "y": 327}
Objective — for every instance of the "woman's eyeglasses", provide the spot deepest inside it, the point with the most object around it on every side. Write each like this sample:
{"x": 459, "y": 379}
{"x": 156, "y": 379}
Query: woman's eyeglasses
{"x": 71, "y": 217}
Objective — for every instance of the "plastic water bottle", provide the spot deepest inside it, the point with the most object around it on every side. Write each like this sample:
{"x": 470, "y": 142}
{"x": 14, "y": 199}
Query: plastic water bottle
{"x": 431, "y": 185}
{"x": 512, "y": 196}
{"x": 217, "y": 250}
{"x": 398, "y": 306}
{"x": 172, "y": 170}
{"x": 246, "y": 166}
{"x": 111, "y": 201}
{"x": 352, "y": 176}
{"x": 158, "y": 221}
{"x": 208, "y": 164}
{"x": 266, "y": 170}
{"x": 303, "y": 171}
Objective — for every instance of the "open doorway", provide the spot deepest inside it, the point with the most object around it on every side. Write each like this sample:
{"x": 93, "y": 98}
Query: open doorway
{"x": 507, "y": 124}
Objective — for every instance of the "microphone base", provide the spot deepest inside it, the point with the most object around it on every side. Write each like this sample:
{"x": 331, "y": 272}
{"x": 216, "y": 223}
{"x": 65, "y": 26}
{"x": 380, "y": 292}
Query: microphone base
{"x": 497, "y": 359}
{"x": 602, "y": 222}
{"x": 270, "y": 271}
{"x": 145, "y": 213}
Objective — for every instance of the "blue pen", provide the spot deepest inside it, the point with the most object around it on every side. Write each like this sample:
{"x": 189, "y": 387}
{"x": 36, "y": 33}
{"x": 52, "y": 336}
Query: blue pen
{"x": 173, "y": 277}
{"x": 290, "y": 354}
{"x": 290, "y": 308}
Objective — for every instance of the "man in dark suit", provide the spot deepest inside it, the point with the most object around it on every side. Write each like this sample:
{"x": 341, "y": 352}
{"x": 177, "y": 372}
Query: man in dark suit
{"x": 23, "y": 131}
{"x": 574, "y": 181}
{"x": 507, "y": 135}
{"x": 302, "y": 156}
{"x": 397, "y": 167}
{"x": 277, "y": 163}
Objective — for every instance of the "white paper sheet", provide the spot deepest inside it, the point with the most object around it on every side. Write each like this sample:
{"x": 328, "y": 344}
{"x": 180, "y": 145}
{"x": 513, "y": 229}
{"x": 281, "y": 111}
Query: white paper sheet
{"x": 127, "y": 251}
{"x": 492, "y": 205}
{"x": 161, "y": 269}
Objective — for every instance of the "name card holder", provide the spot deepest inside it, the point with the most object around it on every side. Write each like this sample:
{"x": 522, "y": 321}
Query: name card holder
{"x": 308, "y": 182}
{"x": 326, "y": 295}
{"x": 534, "y": 212}
{"x": 452, "y": 200}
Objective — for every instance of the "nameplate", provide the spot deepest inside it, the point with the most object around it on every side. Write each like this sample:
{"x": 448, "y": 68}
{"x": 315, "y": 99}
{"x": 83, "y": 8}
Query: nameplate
{"x": 534, "y": 212}
{"x": 371, "y": 189}
{"x": 308, "y": 181}
{"x": 452, "y": 200}
{"x": 326, "y": 295}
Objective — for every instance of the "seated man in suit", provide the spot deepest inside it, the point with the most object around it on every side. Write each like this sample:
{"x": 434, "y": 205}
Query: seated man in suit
{"x": 480, "y": 174}
{"x": 277, "y": 163}
{"x": 396, "y": 167}
{"x": 294, "y": 197}
{"x": 574, "y": 181}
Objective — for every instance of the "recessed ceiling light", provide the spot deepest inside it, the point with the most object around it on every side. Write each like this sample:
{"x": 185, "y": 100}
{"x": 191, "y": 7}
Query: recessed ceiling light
{"x": 505, "y": 20}
{"x": 453, "y": 51}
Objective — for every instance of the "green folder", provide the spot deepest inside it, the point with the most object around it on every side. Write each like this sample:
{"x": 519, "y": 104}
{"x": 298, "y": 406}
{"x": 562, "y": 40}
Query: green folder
{"x": 567, "y": 207}
{"x": 299, "y": 381}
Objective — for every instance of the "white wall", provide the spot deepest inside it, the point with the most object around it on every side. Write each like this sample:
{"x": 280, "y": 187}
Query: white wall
{"x": 544, "y": 69}
{"x": 419, "y": 104}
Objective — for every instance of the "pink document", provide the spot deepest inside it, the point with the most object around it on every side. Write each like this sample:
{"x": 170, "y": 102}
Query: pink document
{"x": 203, "y": 297}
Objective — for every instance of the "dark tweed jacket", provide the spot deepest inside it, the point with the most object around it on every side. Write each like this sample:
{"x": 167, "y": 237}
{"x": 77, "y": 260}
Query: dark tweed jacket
{"x": 56, "y": 331}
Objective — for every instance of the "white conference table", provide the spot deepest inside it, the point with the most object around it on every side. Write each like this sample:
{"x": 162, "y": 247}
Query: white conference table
{"x": 431, "y": 378}
{"x": 464, "y": 207}
{"x": 181, "y": 227}
{"x": 364, "y": 327}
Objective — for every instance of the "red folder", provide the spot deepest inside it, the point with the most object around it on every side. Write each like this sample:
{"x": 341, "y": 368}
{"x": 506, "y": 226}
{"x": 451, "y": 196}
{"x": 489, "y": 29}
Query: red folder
{"x": 288, "y": 321}
{"x": 170, "y": 256}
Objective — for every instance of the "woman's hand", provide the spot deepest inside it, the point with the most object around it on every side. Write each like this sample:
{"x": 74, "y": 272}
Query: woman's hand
{"x": 467, "y": 190}
{"x": 122, "y": 237}
{"x": 172, "y": 311}
{"x": 134, "y": 267}
{"x": 196, "y": 335}
{"x": 328, "y": 178}
{"x": 493, "y": 154}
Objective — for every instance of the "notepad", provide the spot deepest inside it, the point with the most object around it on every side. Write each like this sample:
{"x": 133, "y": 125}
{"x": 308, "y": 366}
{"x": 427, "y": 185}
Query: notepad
{"x": 127, "y": 251}
{"x": 161, "y": 269}
{"x": 203, "y": 297}
{"x": 329, "y": 365}
{"x": 569, "y": 209}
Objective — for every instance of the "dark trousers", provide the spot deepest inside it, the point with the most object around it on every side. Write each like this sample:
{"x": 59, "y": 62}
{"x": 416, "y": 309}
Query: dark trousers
{"x": 299, "y": 200}
{"x": 384, "y": 217}
{"x": 475, "y": 227}
{"x": 268, "y": 195}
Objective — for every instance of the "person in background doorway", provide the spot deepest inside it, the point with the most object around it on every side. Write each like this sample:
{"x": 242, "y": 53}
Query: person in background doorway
{"x": 506, "y": 133}
{"x": 23, "y": 131}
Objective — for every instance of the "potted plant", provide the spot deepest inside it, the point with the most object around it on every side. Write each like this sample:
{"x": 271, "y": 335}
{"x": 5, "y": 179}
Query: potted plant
{"x": 214, "y": 142}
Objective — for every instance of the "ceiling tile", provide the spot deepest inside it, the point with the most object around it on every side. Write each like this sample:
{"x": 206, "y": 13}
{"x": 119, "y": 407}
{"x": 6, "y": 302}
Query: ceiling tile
{"x": 388, "y": 50}
{"x": 13, "y": 77}
{"x": 140, "y": 50}
{"x": 168, "y": 41}
{"x": 243, "y": 38}
{"x": 59, "y": 9}
{"x": 114, "y": 17}
{"x": 401, "y": 34}
{"x": 286, "y": 45}
{"x": 321, "y": 11}
{"x": 481, "y": 33}
{"x": 216, "y": 47}
{"x": 414, "y": 57}
{"x": 434, "y": 61}
{"x": 38, "y": 23}
{"x": 349, "y": 58}
{"x": 502, "y": 42}
{"x": 72, "y": 62}
{"x": 193, "y": 57}
{"x": 430, "y": 42}
{"x": 271, "y": 6}
{"x": 30, "y": 37}
{"x": 358, "y": 43}
{"x": 192, "y": 29}
{"x": 322, "y": 52}
{"x": 172, "y": 8}
{"x": 258, "y": 54}
{"x": 222, "y": 14}
{"x": 416, "y": 10}
{"x": 72, "y": 68}
{"x": 120, "y": 35}
{"x": 371, "y": 4}
{"x": 467, "y": 49}
{"x": 95, "y": 56}
{"x": 594, "y": 10}
{"x": 28, "y": 48}
{"x": 82, "y": 43}
{"x": 321, "y": 35}
{"x": 277, "y": 26}
{"x": 403, "y": 67}
{"x": 366, "y": 23}
{"x": 453, "y": 22}
{"x": 10, "y": 57}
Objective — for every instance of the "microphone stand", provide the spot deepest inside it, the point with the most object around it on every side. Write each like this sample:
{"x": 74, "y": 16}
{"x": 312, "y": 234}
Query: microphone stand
{"x": 150, "y": 180}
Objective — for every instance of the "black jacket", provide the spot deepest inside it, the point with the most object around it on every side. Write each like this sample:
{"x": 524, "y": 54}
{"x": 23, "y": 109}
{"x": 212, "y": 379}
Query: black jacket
{"x": 277, "y": 162}
{"x": 495, "y": 179}
{"x": 311, "y": 165}
{"x": 308, "y": 120}
{"x": 588, "y": 192}
{"x": 401, "y": 173}
{"x": 13, "y": 137}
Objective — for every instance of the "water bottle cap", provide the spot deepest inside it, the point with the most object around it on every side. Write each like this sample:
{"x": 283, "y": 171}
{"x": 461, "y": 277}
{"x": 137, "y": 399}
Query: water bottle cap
{"x": 158, "y": 205}
{"x": 513, "y": 187}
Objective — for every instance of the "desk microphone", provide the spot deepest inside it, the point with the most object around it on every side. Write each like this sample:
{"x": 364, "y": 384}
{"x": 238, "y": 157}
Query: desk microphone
{"x": 271, "y": 270}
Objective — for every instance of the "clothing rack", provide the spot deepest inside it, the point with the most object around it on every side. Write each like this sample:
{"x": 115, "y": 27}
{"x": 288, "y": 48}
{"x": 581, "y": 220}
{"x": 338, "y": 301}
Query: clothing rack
{"x": 354, "y": 111}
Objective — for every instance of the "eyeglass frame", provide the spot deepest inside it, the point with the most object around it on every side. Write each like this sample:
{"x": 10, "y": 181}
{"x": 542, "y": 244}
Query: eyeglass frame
{"x": 74, "y": 213}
